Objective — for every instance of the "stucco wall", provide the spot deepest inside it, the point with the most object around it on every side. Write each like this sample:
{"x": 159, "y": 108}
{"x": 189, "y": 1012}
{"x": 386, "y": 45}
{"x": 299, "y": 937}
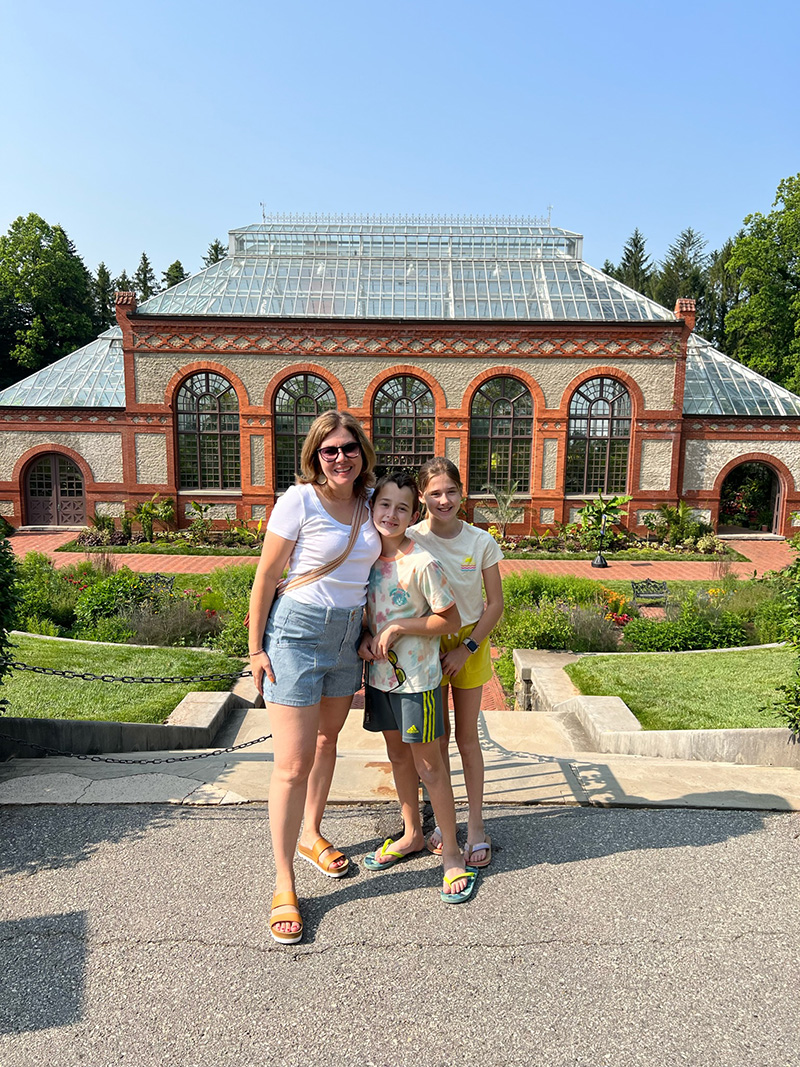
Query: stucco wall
{"x": 101, "y": 451}
{"x": 107, "y": 507}
{"x": 256, "y": 460}
{"x": 452, "y": 449}
{"x": 549, "y": 463}
{"x": 151, "y": 458}
{"x": 216, "y": 511}
{"x": 547, "y": 515}
{"x": 6, "y": 507}
{"x": 705, "y": 459}
{"x": 655, "y": 377}
{"x": 656, "y": 463}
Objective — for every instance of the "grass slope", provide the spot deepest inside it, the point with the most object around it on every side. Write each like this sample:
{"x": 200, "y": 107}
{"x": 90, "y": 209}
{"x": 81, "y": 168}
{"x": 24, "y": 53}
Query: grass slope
{"x": 691, "y": 690}
{"x": 46, "y": 697}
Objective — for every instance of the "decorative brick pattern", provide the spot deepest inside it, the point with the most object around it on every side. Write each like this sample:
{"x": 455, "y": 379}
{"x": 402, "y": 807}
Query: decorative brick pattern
{"x": 102, "y": 452}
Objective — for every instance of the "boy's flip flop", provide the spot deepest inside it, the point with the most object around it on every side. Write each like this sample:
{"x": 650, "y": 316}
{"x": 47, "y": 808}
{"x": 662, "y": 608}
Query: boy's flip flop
{"x": 435, "y": 849}
{"x": 312, "y": 856}
{"x": 482, "y": 846}
{"x": 372, "y": 863}
{"x": 459, "y": 898}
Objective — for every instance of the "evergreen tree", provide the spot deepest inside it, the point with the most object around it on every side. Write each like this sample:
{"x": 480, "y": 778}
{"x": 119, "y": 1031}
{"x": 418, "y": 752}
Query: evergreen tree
{"x": 609, "y": 269}
{"x": 46, "y": 298}
{"x": 635, "y": 268}
{"x": 123, "y": 284}
{"x": 144, "y": 280}
{"x": 763, "y": 329}
{"x": 104, "y": 298}
{"x": 216, "y": 251}
{"x": 682, "y": 272}
{"x": 174, "y": 274}
{"x": 722, "y": 293}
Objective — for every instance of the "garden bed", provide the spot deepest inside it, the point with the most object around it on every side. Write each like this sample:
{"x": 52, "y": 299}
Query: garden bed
{"x": 163, "y": 548}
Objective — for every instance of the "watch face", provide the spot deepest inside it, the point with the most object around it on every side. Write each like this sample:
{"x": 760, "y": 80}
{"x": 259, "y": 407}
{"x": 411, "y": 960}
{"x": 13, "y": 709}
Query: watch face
{"x": 471, "y": 645}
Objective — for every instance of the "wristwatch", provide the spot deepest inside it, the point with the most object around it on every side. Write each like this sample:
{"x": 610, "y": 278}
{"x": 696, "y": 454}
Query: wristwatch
{"x": 471, "y": 646}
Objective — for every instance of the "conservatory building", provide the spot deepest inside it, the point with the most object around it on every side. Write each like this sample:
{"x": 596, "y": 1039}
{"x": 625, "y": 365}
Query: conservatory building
{"x": 489, "y": 341}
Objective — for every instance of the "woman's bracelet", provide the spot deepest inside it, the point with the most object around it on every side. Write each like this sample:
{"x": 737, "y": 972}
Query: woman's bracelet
{"x": 257, "y": 652}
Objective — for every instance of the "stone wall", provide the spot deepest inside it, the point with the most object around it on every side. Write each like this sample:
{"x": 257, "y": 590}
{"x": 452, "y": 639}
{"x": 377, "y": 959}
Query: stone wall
{"x": 704, "y": 460}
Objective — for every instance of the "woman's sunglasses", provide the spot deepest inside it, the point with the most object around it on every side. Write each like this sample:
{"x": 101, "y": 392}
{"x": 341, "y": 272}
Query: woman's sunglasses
{"x": 330, "y": 453}
{"x": 399, "y": 673}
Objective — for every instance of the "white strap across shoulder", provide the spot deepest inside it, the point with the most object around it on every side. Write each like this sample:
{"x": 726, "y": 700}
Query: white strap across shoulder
{"x": 326, "y": 568}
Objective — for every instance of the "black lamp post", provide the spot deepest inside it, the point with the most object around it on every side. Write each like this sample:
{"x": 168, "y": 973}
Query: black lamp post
{"x": 600, "y": 560}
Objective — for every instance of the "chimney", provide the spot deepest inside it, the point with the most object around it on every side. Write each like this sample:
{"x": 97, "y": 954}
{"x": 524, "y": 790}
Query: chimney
{"x": 686, "y": 309}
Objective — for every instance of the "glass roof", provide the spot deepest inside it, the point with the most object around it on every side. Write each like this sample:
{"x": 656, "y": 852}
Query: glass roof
{"x": 385, "y": 267}
{"x": 718, "y": 385}
{"x": 92, "y": 377}
{"x": 405, "y": 267}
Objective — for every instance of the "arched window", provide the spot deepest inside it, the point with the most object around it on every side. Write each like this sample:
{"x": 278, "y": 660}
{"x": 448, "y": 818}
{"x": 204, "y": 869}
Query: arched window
{"x": 500, "y": 433}
{"x": 403, "y": 416}
{"x": 208, "y": 433}
{"x": 297, "y": 403}
{"x": 599, "y": 438}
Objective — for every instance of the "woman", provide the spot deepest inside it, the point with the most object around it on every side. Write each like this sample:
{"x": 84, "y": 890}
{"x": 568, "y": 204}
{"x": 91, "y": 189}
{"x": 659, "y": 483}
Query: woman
{"x": 304, "y": 643}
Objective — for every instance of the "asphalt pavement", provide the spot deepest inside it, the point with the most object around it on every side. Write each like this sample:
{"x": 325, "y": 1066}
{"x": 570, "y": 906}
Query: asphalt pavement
{"x": 634, "y": 937}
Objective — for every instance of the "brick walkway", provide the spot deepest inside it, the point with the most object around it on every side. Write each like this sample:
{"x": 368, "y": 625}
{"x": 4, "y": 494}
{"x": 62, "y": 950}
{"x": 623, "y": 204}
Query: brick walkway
{"x": 763, "y": 555}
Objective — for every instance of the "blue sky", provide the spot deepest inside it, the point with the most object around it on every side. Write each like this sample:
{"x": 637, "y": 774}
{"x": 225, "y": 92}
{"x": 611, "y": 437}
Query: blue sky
{"x": 159, "y": 126}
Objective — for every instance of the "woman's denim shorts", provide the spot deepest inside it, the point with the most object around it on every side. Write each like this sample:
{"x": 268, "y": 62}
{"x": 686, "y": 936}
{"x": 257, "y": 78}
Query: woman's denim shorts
{"x": 313, "y": 651}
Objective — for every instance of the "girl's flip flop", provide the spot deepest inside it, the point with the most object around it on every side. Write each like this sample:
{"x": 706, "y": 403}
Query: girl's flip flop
{"x": 435, "y": 849}
{"x": 482, "y": 846}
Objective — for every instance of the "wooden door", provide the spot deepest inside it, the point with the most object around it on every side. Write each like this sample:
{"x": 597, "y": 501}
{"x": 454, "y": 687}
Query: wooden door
{"x": 54, "y": 492}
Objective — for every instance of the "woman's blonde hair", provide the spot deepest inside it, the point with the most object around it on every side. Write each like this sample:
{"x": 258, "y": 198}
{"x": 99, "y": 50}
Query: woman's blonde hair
{"x": 434, "y": 467}
{"x": 324, "y": 424}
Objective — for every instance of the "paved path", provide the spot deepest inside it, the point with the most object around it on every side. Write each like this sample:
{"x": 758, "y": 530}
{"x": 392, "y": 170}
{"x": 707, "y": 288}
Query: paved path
{"x": 762, "y": 554}
{"x": 635, "y": 938}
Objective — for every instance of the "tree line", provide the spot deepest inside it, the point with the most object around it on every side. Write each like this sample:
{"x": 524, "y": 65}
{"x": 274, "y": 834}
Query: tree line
{"x": 51, "y": 303}
{"x": 747, "y": 292}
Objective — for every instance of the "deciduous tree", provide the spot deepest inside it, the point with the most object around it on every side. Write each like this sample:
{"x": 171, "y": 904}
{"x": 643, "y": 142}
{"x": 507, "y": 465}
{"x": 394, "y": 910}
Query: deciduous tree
{"x": 763, "y": 329}
{"x": 46, "y": 297}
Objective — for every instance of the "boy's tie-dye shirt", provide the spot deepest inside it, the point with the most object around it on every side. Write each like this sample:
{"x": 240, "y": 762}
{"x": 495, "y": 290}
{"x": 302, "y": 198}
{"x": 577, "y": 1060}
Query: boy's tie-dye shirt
{"x": 409, "y": 587}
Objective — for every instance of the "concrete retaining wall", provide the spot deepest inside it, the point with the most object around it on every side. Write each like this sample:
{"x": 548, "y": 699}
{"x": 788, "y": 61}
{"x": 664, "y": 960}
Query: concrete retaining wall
{"x": 610, "y": 725}
{"x": 193, "y": 724}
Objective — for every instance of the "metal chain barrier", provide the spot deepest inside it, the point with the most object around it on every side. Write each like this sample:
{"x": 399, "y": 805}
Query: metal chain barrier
{"x": 145, "y": 680}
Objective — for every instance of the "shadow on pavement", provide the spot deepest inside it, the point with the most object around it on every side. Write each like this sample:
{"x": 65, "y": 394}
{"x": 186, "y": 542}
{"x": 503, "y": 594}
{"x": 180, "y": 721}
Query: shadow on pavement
{"x": 44, "y": 971}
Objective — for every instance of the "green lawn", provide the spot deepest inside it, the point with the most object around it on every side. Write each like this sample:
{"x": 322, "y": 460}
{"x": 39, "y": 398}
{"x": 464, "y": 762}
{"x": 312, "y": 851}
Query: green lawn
{"x": 691, "y": 690}
{"x": 47, "y": 697}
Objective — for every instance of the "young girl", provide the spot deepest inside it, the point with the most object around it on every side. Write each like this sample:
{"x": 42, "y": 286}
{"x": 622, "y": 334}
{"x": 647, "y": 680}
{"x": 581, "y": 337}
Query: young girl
{"x": 469, "y": 557}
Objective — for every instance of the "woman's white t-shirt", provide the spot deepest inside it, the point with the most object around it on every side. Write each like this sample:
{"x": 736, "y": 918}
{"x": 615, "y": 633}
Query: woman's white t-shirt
{"x": 463, "y": 559}
{"x": 300, "y": 517}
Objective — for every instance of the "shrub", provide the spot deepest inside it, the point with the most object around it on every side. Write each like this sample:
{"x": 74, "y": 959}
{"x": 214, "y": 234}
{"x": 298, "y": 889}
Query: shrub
{"x": 117, "y": 595}
{"x": 592, "y": 632}
{"x": 771, "y": 621}
{"x": 547, "y": 627}
{"x": 179, "y": 622}
{"x": 527, "y": 588}
{"x": 44, "y": 593}
{"x": 114, "y": 630}
{"x": 690, "y": 631}
{"x": 34, "y": 624}
{"x": 8, "y": 602}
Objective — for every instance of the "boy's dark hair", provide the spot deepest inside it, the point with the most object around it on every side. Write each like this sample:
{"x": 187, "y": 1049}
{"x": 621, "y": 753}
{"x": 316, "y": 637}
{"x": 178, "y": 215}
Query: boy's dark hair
{"x": 403, "y": 479}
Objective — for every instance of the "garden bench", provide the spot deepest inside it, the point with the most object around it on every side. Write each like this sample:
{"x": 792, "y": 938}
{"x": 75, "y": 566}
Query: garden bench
{"x": 649, "y": 591}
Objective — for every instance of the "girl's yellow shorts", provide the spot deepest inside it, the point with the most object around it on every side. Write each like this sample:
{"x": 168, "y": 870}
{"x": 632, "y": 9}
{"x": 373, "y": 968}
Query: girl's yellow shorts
{"x": 478, "y": 668}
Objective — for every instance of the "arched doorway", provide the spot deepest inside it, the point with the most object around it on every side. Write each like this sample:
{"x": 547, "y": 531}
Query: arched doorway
{"x": 749, "y": 500}
{"x": 54, "y": 492}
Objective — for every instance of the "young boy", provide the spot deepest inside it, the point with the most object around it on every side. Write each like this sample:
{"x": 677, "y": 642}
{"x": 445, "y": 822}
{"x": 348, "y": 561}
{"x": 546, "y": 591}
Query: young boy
{"x": 409, "y": 606}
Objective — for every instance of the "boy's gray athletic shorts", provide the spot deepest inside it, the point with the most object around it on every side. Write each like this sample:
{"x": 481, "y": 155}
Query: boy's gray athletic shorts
{"x": 418, "y": 716}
